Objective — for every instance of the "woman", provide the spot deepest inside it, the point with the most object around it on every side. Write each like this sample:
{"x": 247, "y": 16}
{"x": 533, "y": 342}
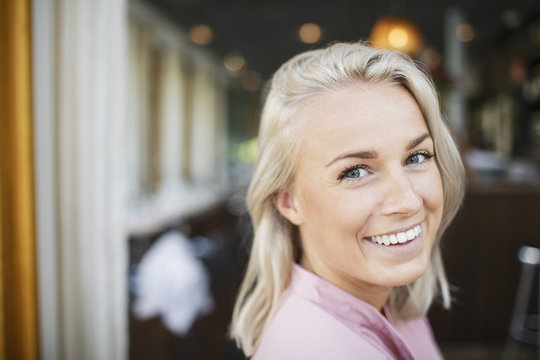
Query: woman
{"x": 356, "y": 179}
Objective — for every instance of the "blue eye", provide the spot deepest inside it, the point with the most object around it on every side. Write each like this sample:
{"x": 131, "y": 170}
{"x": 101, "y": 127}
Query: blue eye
{"x": 353, "y": 173}
{"x": 418, "y": 158}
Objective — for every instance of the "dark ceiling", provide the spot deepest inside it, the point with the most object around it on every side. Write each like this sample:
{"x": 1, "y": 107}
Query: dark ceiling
{"x": 266, "y": 31}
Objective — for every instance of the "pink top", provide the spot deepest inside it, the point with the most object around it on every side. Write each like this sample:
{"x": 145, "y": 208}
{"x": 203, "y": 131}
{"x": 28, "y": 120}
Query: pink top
{"x": 317, "y": 320}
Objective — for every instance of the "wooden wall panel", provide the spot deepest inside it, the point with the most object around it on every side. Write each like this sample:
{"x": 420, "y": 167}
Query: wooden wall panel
{"x": 18, "y": 295}
{"x": 480, "y": 250}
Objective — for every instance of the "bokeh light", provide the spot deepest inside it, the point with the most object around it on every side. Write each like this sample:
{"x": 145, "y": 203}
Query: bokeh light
{"x": 201, "y": 34}
{"x": 465, "y": 32}
{"x": 396, "y": 33}
{"x": 310, "y": 33}
{"x": 235, "y": 63}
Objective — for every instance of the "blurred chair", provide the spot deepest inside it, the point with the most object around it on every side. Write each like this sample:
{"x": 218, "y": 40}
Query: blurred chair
{"x": 524, "y": 327}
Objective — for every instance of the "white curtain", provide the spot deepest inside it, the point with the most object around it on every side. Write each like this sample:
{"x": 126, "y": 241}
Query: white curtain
{"x": 203, "y": 162}
{"x": 171, "y": 119}
{"x": 79, "y": 66}
{"x": 137, "y": 154}
{"x": 177, "y": 116}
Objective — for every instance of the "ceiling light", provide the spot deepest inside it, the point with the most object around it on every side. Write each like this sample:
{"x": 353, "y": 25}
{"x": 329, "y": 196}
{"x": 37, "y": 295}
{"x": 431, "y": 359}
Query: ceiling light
{"x": 201, "y": 34}
{"x": 398, "y": 37}
{"x": 465, "y": 32}
{"x": 310, "y": 33}
{"x": 235, "y": 63}
{"x": 396, "y": 33}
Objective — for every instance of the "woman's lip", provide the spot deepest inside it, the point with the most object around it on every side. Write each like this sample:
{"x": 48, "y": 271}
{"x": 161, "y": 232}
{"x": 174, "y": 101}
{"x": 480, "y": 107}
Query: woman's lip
{"x": 399, "y": 250}
{"x": 403, "y": 229}
{"x": 400, "y": 238}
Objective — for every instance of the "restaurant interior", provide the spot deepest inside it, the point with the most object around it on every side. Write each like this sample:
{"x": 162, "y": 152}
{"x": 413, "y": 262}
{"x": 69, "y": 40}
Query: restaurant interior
{"x": 145, "y": 120}
{"x": 485, "y": 60}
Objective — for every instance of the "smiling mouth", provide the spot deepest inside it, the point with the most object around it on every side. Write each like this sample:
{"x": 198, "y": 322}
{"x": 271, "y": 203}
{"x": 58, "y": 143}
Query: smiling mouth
{"x": 397, "y": 238}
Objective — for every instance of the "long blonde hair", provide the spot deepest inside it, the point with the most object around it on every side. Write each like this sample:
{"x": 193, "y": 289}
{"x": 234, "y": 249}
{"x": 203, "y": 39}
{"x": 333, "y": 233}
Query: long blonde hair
{"x": 275, "y": 241}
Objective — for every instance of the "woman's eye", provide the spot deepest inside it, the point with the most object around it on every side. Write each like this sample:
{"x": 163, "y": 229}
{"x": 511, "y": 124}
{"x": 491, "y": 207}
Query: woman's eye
{"x": 418, "y": 158}
{"x": 354, "y": 173}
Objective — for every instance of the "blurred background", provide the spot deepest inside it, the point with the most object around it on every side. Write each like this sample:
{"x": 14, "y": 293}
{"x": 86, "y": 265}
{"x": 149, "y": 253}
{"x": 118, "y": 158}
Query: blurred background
{"x": 127, "y": 133}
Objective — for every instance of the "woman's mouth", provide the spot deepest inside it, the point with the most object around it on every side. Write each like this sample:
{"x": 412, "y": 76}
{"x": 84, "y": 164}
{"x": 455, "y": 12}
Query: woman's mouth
{"x": 397, "y": 238}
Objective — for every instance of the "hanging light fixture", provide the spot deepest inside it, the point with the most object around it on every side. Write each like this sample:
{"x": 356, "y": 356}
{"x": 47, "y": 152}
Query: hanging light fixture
{"x": 391, "y": 32}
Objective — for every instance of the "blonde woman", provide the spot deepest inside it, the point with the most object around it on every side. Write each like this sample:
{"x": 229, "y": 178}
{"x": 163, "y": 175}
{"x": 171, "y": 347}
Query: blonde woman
{"x": 356, "y": 178}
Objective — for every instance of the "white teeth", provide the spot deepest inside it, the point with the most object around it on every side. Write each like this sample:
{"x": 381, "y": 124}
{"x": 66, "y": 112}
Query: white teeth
{"x": 400, "y": 237}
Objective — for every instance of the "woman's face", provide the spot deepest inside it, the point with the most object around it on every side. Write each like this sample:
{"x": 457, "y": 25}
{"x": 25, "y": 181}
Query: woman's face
{"x": 368, "y": 195}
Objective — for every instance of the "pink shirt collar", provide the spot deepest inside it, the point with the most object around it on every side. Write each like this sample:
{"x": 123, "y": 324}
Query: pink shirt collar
{"x": 354, "y": 312}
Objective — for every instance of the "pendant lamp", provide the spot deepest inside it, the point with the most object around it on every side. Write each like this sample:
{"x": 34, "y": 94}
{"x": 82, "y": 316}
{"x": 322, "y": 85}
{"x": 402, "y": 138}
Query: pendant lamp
{"x": 392, "y": 32}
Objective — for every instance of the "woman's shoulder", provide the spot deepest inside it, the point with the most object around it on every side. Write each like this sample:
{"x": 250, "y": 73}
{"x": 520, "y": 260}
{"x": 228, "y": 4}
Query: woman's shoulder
{"x": 303, "y": 329}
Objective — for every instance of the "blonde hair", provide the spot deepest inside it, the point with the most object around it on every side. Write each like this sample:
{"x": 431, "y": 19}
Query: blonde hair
{"x": 275, "y": 238}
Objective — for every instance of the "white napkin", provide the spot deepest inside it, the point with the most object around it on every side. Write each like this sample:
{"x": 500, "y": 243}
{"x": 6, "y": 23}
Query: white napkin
{"x": 173, "y": 283}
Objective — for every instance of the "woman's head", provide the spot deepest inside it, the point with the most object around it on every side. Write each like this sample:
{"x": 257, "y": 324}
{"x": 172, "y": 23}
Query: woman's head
{"x": 303, "y": 99}
{"x": 324, "y": 71}
{"x": 367, "y": 197}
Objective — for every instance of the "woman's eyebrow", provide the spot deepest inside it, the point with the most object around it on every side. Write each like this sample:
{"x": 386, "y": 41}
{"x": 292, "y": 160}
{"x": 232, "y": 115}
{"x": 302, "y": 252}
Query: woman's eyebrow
{"x": 372, "y": 154}
{"x": 366, "y": 154}
{"x": 417, "y": 141}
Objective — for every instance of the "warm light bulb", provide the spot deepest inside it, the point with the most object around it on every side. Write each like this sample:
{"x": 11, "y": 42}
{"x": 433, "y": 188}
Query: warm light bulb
{"x": 310, "y": 33}
{"x": 398, "y": 38}
{"x": 234, "y": 62}
{"x": 201, "y": 34}
{"x": 396, "y": 33}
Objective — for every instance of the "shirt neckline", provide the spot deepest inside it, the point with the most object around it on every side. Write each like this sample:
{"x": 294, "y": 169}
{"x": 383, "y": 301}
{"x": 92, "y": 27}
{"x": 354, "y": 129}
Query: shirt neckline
{"x": 352, "y": 311}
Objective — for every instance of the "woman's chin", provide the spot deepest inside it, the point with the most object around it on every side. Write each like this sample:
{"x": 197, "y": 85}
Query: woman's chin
{"x": 404, "y": 276}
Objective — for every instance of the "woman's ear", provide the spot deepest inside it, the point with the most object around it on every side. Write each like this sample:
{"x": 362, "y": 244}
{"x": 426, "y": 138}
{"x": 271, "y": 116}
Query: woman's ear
{"x": 285, "y": 203}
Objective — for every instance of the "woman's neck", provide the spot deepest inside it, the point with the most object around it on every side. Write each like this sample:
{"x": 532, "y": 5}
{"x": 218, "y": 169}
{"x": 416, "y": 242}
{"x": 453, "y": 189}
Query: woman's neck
{"x": 375, "y": 295}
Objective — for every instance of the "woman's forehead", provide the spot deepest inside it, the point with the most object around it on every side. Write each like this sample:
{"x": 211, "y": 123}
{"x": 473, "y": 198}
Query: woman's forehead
{"x": 360, "y": 118}
{"x": 358, "y": 104}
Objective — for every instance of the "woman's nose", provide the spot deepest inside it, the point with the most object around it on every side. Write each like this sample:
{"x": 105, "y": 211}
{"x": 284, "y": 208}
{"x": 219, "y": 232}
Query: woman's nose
{"x": 400, "y": 194}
